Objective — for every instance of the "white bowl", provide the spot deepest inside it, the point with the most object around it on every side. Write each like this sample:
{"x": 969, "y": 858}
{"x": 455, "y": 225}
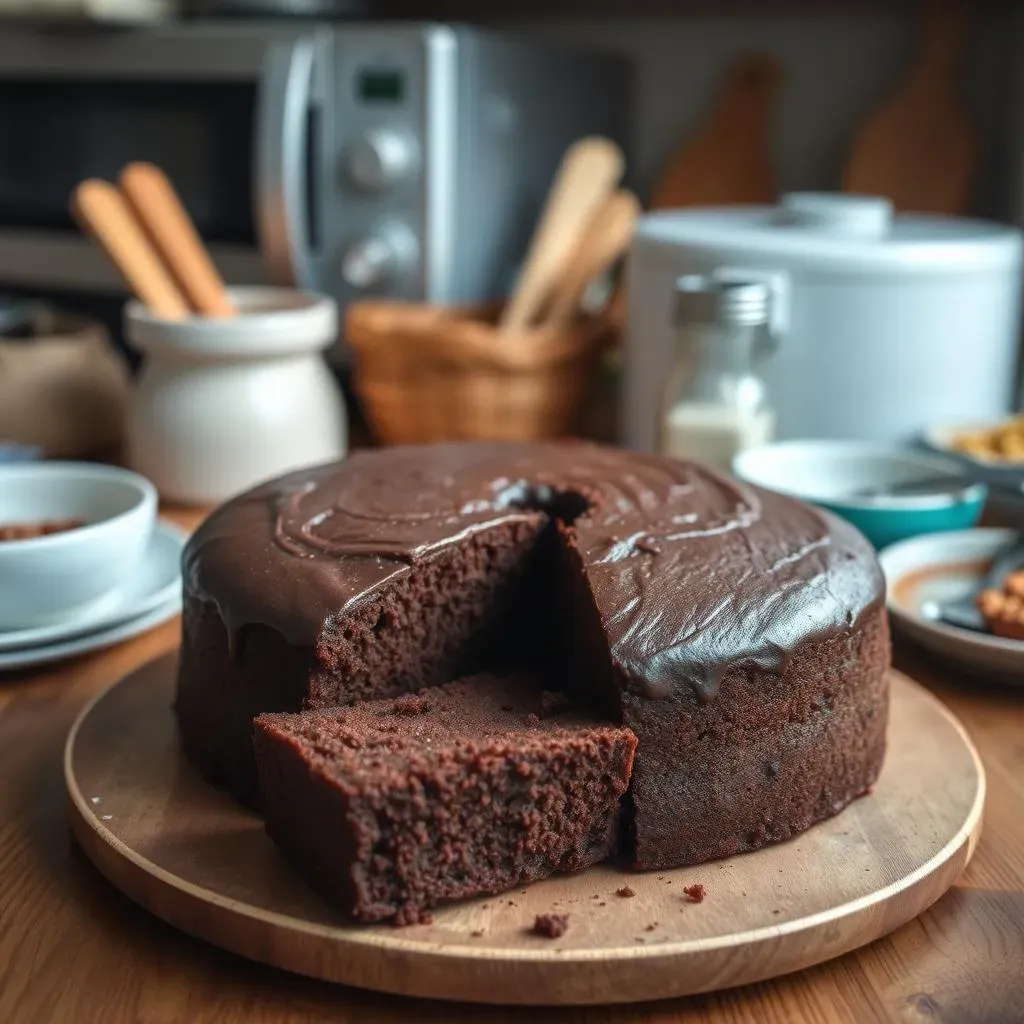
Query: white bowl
{"x": 44, "y": 580}
{"x": 831, "y": 473}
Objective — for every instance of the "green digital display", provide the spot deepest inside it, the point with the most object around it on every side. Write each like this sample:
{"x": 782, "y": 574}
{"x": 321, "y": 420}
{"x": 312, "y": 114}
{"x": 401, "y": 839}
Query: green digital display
{"x": 381, "y": 86}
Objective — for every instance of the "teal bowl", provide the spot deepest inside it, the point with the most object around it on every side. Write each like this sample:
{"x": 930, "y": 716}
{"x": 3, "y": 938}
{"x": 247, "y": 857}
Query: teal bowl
{"x": 831, "y": 474}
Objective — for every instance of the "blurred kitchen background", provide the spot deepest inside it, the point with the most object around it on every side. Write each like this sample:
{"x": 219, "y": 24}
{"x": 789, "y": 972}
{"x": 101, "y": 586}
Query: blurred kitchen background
{"x": 404, "y": 150}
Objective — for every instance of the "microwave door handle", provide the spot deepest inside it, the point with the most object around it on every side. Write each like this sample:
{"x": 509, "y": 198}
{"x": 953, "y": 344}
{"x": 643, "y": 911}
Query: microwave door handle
{"x": 281, "y": 125}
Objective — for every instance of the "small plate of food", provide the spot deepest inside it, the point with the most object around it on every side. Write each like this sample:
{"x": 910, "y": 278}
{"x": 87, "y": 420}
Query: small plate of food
{"x": 992, "y": 449}
{"x": 961, "y": 596}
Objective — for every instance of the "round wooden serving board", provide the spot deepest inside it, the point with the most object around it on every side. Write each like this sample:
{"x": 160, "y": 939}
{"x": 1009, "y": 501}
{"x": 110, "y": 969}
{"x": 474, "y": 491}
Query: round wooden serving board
{"x": 193, "y": 857}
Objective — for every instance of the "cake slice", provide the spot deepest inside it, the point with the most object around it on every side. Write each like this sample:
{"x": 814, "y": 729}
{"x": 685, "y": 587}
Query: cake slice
{"x": 391, "y": 806}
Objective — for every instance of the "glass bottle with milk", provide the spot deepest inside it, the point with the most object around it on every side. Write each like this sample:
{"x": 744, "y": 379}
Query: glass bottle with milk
{"x": 715, "y": 404}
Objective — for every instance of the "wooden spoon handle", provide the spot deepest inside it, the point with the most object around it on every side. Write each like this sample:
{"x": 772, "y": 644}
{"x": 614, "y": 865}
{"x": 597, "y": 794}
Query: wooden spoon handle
{"x": 102, "y": 213}
{"x": 155, "y": 203}
{"x": 591, "y": 168}
{"x": 605, "y": 239}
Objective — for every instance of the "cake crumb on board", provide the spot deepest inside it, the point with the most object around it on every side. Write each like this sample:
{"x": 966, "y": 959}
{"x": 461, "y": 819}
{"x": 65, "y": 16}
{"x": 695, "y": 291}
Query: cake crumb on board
{"x": 625, "y": 892}
{"x": 695, "y": 893}
{"x": 551, "y": 926}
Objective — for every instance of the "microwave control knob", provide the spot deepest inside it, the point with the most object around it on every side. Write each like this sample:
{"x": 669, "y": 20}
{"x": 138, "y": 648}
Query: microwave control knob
{"x": 380, "y": 158}
{"x": 380, "y": 258}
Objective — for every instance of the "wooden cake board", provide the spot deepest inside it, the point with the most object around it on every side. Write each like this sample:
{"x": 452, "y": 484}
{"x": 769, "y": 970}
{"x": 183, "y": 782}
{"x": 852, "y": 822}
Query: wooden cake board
{"x": 192, "y": 856}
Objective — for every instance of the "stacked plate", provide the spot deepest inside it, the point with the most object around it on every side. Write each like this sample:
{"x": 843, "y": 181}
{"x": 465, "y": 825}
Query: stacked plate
{"x": 149, "y": 598}
{"x": 84, "y": 563}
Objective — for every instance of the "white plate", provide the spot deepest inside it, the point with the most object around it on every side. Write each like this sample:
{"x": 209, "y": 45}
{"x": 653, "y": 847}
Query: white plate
{"x": 945, "y": 567}
{"x": 92, "y": 641}
{"x": 155, "y": 582}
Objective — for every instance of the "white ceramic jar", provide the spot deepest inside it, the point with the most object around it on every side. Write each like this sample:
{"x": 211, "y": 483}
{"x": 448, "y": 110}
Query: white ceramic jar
{"x": 222, "y": 404}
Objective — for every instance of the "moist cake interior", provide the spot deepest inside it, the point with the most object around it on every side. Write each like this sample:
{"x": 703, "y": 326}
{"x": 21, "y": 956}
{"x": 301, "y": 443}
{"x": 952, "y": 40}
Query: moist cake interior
{"x": 389, "y": 806}
{"x": 511, "y": 598}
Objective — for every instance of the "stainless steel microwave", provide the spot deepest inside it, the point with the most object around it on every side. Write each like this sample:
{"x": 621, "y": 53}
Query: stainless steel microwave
{"x": 397, "y": 159}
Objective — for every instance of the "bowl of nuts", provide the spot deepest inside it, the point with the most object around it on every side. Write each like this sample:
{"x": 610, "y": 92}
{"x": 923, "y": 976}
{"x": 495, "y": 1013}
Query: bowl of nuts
{"x": 71, "y": 533}
{"x": 991, "y": 447}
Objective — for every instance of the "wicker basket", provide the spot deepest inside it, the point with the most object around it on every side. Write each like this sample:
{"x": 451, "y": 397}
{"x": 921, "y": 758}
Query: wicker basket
{"x": 434, "y": 373}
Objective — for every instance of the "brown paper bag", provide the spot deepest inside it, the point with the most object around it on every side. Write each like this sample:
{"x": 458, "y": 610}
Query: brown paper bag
{"x": 65, "y": 390}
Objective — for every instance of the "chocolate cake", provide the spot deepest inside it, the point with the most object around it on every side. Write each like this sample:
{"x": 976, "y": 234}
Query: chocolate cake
{"x": 739, "y": 634}
{"x": 390, "y": 806}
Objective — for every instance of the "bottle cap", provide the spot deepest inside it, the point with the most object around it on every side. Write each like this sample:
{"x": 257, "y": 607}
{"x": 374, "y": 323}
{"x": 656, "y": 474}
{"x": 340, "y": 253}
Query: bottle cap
{"x": 729, "y": 303}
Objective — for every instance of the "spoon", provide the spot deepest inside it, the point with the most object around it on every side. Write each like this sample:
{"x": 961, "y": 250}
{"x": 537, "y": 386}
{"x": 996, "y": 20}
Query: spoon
{"x": 935, "y": 486}
{"x": 962, "y": 612}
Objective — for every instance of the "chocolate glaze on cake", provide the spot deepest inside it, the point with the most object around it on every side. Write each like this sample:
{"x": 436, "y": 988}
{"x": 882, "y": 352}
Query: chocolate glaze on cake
{"x": 692, "y": 572}
{"x": 729, "y": 627}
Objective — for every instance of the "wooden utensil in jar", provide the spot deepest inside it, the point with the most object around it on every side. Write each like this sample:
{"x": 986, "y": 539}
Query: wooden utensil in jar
{"x": 919, "y": 148}
{"x": 155, "y": 203}
{"x": 728, "y": 159}
{"x": 590, "y": 170}
{"x": 604, "y": 240}
{"x": 102, "y": 212}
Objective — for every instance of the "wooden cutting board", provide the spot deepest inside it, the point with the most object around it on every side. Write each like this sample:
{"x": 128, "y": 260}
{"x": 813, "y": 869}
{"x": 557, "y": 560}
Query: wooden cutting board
{"x": 195, "y": 858}
{"x": 728, "y": 159}
{"x": 919, "y": 148}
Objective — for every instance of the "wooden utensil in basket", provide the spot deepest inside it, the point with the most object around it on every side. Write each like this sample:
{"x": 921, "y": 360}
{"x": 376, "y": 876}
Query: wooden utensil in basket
{"x": 433, "y": 373}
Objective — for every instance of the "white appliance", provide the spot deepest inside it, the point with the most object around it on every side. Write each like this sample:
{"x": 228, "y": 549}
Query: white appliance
{"x": 886, "y": 322}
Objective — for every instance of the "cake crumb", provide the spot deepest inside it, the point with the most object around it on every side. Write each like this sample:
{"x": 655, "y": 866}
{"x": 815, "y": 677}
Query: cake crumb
{"x": 776, "y": 911}
{"x": 625, "y": 892}
{"x": 602, "y": 904}
{"x": 407, "y": 917}
{"x": 475, "y": 935}
{"x": 411, "y": 704}
{"x": 696, "y": 893}
{"x": 651, "y": 926}
{"x": 551, "y": 926}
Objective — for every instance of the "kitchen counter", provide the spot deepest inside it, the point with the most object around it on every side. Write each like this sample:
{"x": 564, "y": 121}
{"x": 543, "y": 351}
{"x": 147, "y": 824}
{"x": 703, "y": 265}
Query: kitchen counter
{"x": 73, "y": 950}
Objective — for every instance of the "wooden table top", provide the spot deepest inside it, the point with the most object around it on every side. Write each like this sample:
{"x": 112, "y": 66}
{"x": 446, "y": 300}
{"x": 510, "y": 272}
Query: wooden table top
{"x": 73, "y": 950}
